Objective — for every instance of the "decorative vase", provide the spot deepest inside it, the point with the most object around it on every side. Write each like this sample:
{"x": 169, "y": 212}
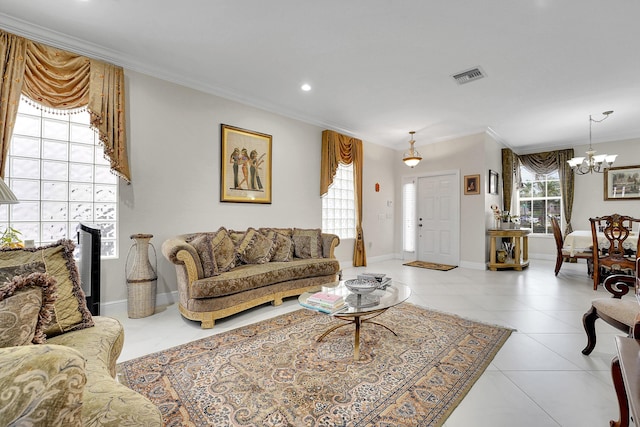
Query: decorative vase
{"x": 141, "y": 278}
{"x": 501, "y": 255}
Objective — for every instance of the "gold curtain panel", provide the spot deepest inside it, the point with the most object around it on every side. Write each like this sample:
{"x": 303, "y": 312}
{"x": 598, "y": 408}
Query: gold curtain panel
{"x": 63, "y": 80}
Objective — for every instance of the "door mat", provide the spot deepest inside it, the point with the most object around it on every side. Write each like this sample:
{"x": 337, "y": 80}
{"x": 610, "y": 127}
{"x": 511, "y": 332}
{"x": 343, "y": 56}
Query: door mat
{"x": 430, "y": 265}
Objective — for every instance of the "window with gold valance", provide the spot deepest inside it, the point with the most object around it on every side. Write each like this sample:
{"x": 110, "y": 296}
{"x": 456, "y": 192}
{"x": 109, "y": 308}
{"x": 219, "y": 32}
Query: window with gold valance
{"x": 336, "y": 149}
{"x": 63, "y": 80}
{"x": 542, "y": 163}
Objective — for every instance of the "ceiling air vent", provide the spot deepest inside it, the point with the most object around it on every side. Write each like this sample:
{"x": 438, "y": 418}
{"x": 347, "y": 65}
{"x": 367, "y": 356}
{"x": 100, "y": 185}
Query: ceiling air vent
{"x": 468, "y": 76}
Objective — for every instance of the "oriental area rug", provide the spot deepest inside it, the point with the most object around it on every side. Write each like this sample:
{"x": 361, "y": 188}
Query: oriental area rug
{"x": 430, "y": 265}
{"x": 275, "y": 374}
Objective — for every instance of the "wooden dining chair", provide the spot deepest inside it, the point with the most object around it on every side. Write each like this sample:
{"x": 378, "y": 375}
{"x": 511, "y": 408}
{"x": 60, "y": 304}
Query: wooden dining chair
{"x": 621, "y": 313}
{"x": 614, "y": 256}
{"x": 564, "y": 254}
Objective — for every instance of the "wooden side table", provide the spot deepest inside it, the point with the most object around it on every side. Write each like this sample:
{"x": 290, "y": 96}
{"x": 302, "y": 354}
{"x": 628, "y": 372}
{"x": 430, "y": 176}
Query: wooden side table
{"x": 520, "y": 238}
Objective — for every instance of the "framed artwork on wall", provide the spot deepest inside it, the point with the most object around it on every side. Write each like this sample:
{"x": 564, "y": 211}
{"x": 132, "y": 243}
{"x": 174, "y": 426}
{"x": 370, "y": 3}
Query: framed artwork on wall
{"x": 245, "y": 158}
{"x": 472, "y": 184}
{"x": 622, "y": 183}
{"x": 493, "y": 182}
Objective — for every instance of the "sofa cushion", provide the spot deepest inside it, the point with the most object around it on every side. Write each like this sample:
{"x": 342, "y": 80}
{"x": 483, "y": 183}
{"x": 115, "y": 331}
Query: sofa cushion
{"x": 307, "y": 243}
{"x": 204, "y": 248}
{"x": 251, "y": 276}
{"x": 255, "y": 247}
{"x": 70, "y": 309}
{"x": 283, "y": 250}
{"x": 224, "y": 251}
{"x": 26, "y": 303}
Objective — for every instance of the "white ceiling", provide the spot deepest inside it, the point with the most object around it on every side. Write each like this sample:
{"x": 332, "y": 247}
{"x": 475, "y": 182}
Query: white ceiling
{"x": 378, "y": 68}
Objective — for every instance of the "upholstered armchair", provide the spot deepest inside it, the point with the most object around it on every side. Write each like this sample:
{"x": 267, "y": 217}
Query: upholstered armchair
{"x": 619, "y": 312}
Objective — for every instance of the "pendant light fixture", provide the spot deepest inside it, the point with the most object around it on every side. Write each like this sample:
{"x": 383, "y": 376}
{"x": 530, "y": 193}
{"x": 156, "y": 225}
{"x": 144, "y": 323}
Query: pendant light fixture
{"x": 593, "y": 163}
{"x": 411, "y": 158}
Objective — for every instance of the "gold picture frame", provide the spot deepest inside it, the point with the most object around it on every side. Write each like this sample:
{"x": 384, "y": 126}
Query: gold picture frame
{"x": 245, "y": 172}
{"x": 622, "y": 183}
{"x": 472, "y": 184}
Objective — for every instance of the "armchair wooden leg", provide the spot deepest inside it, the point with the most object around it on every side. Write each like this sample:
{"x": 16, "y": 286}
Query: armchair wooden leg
{"x": 589, "y": 322}
{"x": 621, "y": 393}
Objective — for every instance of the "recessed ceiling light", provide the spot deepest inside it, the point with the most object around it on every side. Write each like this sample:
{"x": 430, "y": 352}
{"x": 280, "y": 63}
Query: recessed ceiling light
{"x": 306, "y": 87}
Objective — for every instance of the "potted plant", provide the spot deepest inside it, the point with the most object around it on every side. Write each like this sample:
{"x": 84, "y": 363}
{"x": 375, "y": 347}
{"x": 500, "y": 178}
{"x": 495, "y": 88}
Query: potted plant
{"x": 11, "y": 238}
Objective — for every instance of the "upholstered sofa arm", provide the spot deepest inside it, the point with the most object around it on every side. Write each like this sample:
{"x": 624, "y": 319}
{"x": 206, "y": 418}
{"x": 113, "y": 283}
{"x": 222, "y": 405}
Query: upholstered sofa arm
{"x": 329, "y": 243}
{"x": 182, "y": 254}
{"x": 42, "y": 385}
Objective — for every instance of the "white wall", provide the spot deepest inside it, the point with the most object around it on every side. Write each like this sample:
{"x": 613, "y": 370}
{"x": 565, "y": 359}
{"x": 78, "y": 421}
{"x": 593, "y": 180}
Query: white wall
{"x": 174, "y": 152}
{"x": 469, "y": 155}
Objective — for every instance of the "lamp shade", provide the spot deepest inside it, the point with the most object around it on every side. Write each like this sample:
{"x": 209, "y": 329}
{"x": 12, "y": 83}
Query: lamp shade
{"x": 6, "y": 195}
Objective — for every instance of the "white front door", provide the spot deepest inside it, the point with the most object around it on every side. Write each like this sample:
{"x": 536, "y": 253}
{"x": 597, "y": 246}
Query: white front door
{"x": 439, "y": 219}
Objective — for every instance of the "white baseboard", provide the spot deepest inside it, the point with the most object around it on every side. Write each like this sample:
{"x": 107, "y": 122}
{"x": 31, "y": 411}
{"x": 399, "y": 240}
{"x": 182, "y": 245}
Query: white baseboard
{"x": 115, "y": 307}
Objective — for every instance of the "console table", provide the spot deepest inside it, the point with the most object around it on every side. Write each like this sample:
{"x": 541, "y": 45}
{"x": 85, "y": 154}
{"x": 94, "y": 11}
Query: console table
{"x": 520, "y": 238}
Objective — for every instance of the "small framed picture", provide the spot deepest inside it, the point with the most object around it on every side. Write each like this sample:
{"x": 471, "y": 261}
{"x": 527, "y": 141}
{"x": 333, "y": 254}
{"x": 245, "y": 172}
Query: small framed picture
{"x": 245, "y": 173}
{"x": 622, "y": 183}
{"x": 493, "y": 182}
{"x": 472, "y": 184}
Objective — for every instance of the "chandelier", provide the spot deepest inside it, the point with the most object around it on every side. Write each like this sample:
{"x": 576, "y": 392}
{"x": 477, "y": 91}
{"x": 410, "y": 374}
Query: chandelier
{"x": 411, "y": 158}
{"x": 593, "y": 163}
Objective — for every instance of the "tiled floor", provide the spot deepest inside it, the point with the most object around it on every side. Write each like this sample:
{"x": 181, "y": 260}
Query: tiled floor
{"x": 539, "y": 378}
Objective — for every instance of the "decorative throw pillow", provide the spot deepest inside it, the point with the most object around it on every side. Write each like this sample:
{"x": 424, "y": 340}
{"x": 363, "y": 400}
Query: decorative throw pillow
{"x": 307, "y": 243}
{"x": 70, "y": 309}
{"x": 255, "y": 247}
{"x": 236, "y": 236}
{"x": 224, "y": 251}
{"x": 9, "y": 272}
{"x": 26, "y": 303}
{"x": 283, "y": 245}
{"x": 204, "y": 248}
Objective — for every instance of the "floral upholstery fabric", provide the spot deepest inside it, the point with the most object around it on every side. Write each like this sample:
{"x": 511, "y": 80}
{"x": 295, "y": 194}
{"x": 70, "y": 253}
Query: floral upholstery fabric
{"x": 25, "y": 309}
{"x": 307, "y": 243}
{"x": 70, "y": 309}
{"x": 246, "y": 277}
{"x": 9, "y": 272}
{"x": 283, "y": 251}
{"x": 202, "y": 244}
{"x": 70, "y": 382}
{"x": 42, "y": 385}
{"x": 255, "y": 247}
{"x": 224, "y": 250}
{"x": 105, "y": 401}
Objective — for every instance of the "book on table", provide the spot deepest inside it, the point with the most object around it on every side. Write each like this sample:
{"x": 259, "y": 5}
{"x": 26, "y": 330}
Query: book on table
{"x": 326, "y": 299}
{"x": 323, "y": 309}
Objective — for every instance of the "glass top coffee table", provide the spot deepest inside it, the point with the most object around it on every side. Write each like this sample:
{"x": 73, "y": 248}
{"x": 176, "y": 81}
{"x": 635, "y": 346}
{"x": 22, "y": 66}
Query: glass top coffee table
{"x": 360, "y": 309}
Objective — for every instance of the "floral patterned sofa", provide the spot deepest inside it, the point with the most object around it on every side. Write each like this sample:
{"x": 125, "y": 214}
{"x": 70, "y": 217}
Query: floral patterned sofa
{"x": 225, "y": 272}
{"x": 58, "y": 361}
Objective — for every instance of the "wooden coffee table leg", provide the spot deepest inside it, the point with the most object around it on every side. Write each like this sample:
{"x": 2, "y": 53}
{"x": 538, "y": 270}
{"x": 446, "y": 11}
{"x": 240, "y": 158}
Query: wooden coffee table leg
{"x": 621, "y": 393}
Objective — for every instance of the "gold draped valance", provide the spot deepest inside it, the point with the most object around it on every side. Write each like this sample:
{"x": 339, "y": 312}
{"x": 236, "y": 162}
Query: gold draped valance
{"x": 541, "y": 163}
{"x": 63, "y": 80}
{"x": 336, "y": 149}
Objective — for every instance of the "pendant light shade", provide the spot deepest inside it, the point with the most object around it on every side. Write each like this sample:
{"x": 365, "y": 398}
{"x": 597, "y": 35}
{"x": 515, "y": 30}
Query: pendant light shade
{"x": 411, "y": 157}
